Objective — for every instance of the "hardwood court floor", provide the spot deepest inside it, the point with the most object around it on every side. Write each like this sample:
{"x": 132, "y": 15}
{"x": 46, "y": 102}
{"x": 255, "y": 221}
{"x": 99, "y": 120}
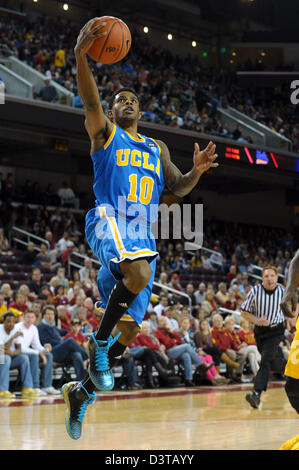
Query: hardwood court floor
{"x": 206, "y": 418}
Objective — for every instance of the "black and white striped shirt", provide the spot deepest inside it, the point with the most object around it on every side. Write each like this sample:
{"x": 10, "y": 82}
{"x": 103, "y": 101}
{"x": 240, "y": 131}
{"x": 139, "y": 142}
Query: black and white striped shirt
{"x": 264, "y": 303}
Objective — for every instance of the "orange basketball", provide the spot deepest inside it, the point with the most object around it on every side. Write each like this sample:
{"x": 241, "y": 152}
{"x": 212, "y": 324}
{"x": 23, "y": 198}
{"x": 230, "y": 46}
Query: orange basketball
{"x": 115, "y": 45}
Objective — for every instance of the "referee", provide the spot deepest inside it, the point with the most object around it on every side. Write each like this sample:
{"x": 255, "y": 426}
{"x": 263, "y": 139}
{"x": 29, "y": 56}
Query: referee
{"x": 262, "y": 308}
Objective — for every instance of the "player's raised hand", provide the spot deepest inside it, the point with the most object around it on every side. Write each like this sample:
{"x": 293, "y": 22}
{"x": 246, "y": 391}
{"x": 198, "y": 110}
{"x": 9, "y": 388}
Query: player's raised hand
{"x": 205, "y": 159}
{"x": 289, "y": 303}
{"x": 88, "y": 34}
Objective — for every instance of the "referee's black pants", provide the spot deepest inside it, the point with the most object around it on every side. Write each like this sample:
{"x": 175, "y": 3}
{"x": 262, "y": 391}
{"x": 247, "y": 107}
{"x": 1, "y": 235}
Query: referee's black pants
{"x": 267, "y": 341}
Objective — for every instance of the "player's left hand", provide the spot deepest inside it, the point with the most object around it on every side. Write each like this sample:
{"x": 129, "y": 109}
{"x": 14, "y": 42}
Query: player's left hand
{"x": 289, "y": 298}
{"x": 205, "y": 159}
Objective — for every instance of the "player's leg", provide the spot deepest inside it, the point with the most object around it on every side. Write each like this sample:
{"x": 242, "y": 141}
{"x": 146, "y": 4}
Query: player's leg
{"x": 127, "y": 294}
{"x": 292, "y": 391}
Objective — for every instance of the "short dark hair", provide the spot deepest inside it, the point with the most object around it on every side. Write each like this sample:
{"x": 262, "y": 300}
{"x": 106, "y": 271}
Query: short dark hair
{"x": 49, "y": 307}
{"x": 112, "y": 98}
{"x": 7, "y": 315}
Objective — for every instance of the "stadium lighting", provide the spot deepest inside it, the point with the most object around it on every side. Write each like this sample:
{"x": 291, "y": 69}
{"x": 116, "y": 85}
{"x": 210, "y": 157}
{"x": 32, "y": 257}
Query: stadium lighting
{"x": 145, "y": 29}
{"x": 169, "y": 37}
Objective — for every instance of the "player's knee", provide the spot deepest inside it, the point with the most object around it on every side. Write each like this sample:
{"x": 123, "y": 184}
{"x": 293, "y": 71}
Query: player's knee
{"x": 137, "y": 275}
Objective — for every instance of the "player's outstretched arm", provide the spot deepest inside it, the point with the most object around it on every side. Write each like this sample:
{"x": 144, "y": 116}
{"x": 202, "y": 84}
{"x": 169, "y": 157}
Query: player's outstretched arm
{"x": 290, "y": 295}
{"x": 97, "y": 123}
{"x": 180, "y": 184}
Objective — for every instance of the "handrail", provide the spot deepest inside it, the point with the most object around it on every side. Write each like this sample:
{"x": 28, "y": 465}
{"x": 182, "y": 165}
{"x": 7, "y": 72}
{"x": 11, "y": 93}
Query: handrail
{"x": 255, "y": 266}
{"x": 76, "y": 265}
{"x": 182, "y": 294}
{"x": 29, "y": 235}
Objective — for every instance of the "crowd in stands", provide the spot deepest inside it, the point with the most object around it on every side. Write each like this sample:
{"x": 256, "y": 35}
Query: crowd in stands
{"x": 179, "y": 92}
{"x": 190, "y": 321}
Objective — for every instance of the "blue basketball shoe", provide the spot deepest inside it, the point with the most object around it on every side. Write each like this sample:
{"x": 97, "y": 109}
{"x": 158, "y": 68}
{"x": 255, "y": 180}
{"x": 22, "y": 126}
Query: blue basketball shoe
{"x": 99, "y": 368}
{"x": 76, "y": 399}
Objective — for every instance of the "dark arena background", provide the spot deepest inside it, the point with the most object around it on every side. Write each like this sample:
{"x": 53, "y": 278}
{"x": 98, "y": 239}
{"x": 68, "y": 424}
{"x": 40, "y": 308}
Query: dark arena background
{"x": 226, "y": 71}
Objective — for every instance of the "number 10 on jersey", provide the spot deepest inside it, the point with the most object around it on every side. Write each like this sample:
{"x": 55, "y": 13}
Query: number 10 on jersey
{"x": 146, "y": 185}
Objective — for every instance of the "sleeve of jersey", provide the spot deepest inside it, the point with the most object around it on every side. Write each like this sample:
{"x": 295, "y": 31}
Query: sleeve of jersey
{"x": 249, "y": 303}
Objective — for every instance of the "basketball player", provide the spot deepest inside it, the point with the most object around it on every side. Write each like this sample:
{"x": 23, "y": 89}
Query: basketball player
{"x": 135, "y": 168}
{"x": 289, "y": 306}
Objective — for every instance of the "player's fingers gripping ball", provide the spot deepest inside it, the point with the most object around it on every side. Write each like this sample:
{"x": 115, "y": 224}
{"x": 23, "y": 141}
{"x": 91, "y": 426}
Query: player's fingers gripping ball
{"x": 114, "y": 45}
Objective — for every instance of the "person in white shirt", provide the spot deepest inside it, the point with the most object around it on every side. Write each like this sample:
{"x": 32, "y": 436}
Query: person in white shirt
{"x": 160, "y": 308}
{"x": 31, "y": 346}
{"x": 172, "y": 322}
{"x": 84, "y": 272}
{"x": 11, "y": 358}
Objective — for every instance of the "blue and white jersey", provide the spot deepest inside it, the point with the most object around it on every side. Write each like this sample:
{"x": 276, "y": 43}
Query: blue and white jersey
{"x": 128, "y": 177}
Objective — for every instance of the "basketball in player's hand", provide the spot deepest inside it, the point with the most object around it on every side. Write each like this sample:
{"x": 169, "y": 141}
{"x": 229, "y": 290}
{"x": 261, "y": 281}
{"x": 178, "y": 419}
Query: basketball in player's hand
{"x": 113, "y": 46}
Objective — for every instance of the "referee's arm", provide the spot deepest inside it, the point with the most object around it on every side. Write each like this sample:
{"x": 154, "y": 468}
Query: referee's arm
{"x": 248, "y": 310}
{"x": 262, "y": 321}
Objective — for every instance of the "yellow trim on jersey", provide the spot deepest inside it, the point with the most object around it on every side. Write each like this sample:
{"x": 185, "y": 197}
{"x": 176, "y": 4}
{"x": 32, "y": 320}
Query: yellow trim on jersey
{"x": 140, "y": 139}
{"x": 115, "y": 233}
{"x": 110, "y": 137}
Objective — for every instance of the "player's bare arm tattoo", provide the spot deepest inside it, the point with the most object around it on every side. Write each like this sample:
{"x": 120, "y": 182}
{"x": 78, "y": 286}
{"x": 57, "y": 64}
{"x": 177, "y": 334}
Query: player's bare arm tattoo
{"x": 176, "y": 182}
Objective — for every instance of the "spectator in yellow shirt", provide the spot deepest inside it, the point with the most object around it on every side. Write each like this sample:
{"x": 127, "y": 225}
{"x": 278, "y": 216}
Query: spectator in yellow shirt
{"x": 59, "y": 60}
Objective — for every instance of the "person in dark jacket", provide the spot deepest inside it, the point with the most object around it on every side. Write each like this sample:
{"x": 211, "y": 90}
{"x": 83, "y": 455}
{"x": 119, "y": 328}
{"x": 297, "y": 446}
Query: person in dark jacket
{"x": 64, "y": 351}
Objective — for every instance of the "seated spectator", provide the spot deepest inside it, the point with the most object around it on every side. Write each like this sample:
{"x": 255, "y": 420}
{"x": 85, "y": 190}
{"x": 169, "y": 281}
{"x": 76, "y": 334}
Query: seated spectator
{"x": 204, "y": 340}
{"x": 63, "y": 281}
{"x": 206, "y": 263}
{"x": 231, "y": 303}
{"x": 146, "y": 347}
{"x": 211, "y": 374}
{"x": 222, "y": 296}
{"x": 76, "y": 333}
{"x": 37, "y": 354}
{"x": 86, "y": 327}
{"x": 176, "y": 350}
{"x": 95, "y": 319}
{"x": 59, "y": 296}
{"x": 209, "y": 305}
{"x": 200, "y": 293}
{"x": 171, "y": 321}
{"x": 64, "y": 319}
{"x": 67, "y": 196}
{"x": 29, "y": 257}
{"x": 228, "y": 344}
{"x": 160, "y": 308}
{"x": 79, "y": 302}
{"x": 3, "y": 306}
{"x": 152, "y": 320}
{"x": 74, "y": 291}
{"x": 43, "y": 257}
{"x": 66, "y": 352}
{"x": 36, "y": 307}
{"x": 13, "y": 359}
{"x": 19, "y": 303}
{"x": 35, "y": 284}
{"x": 84, "y": 272}
{"x": 231, "y": 274}
{"x": 190, "y": 291}
{"x": 248, "y": 344}
{"x": 196, "y": 261}
{"x": 4, "y": 245}
{"x": 175, "y": 283}
{"x": 47, "y": 92}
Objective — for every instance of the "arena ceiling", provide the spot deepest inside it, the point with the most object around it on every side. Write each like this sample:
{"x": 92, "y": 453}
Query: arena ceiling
{"x": 207, "y": 18}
